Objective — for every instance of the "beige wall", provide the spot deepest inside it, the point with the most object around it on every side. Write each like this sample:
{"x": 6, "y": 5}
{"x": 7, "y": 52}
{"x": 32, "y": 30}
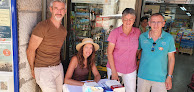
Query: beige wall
{"x": 125, "y": 4}
{"x": 117, "y": 7}
{"x": 29, "y": 14}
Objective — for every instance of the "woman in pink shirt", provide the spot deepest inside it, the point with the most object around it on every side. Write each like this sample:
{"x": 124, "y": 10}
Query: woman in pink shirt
{"x": 122, "y": 48}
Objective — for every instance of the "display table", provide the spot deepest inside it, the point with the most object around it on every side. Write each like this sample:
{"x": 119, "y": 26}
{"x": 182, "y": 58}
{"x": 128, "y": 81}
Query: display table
{"x": 73, "y": 88}
{"x": 186, "y": 46}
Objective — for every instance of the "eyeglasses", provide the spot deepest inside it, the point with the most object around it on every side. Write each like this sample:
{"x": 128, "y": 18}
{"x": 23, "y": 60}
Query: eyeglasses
{"x": 153, "y": 49}
{"x": 128, "y": 19}
{"x": 158, "y": 22}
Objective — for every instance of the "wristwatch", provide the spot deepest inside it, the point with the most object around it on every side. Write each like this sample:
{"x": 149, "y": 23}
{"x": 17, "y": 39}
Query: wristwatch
{"x": 170, "y": 76}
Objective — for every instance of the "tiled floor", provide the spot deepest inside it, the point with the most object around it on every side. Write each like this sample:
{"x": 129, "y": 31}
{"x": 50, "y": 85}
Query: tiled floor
{"x": 184, "y": 68}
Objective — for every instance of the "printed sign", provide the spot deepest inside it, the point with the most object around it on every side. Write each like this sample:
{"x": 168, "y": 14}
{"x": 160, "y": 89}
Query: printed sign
{"x": 4, "y": 17}
{"x": 4, "y": 86}
{"x": 102, "y": 21}
{"x": 9, "y": 80}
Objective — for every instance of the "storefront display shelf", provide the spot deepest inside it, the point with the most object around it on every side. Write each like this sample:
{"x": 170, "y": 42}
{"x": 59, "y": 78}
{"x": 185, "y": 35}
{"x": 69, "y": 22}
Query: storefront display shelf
{"x": 186, "y": 46}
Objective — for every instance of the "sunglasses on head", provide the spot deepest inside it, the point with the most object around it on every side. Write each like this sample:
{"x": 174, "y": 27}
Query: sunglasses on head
{"x": 153, "y": 49}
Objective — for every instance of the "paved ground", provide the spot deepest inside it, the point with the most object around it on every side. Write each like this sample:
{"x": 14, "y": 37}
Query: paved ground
{"x": 184, "y": 68}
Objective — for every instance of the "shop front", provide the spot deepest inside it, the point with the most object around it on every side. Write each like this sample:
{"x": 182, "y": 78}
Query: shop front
{"x": 179, "y": 20}
{"x": 95, "y": 19}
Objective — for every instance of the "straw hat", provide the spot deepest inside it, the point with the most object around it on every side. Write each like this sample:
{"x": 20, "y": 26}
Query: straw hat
{"x": 85, "y": 41}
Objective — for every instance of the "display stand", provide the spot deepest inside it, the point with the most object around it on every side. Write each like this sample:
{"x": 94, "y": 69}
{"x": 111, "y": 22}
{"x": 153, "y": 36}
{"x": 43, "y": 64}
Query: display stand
{"x": 187, "y": 43}
{"x": 178, "y": 41}
{"x": 85, "y": 24}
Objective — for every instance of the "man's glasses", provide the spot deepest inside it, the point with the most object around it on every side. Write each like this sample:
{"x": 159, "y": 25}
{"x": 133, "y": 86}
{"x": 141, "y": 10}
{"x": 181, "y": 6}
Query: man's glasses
{"x": 153, "y": 49}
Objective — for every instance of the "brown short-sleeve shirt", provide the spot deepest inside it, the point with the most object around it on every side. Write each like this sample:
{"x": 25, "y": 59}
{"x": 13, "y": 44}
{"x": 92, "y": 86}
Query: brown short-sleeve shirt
{"x": 48, "y": 52}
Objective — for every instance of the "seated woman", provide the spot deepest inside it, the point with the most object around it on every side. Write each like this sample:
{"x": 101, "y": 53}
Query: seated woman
{"x": 82, "y": 63}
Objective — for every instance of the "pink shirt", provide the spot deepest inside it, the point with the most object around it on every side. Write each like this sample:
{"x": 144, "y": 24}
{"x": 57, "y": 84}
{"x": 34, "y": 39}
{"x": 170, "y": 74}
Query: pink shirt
{"x": 126, "y": 46}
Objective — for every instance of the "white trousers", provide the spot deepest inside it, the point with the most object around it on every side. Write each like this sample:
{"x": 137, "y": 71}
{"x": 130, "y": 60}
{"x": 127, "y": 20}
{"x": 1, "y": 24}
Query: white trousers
{"x": 50, "y": 79}
{"x": 128, "y": 79}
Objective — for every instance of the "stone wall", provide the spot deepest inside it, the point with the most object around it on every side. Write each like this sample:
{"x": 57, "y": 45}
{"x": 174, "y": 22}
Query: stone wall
{"x": 29, "y": 14}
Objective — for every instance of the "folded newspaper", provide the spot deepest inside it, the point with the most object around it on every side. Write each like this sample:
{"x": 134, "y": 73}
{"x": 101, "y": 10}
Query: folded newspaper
{"x": 109, "y": 83}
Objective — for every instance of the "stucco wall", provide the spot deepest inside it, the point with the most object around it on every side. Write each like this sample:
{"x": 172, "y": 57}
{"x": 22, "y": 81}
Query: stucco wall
{"x": 117, "y": 7}
{"x": 125, "y": 4}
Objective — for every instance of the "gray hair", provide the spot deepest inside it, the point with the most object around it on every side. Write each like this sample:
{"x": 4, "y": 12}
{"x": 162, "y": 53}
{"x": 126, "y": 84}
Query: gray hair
{"x": 128, "y": 11}
{"x": 157, "y": 14}
{"x": 62, "y": 1}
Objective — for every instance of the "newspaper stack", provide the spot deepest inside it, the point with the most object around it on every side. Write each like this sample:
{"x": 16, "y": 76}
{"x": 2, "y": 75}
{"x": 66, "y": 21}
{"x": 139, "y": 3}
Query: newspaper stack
{"x": 115, "y": 86}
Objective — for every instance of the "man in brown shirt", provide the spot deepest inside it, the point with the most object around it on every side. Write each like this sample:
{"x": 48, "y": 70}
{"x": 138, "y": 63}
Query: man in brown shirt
{"x": 43, "y": 51}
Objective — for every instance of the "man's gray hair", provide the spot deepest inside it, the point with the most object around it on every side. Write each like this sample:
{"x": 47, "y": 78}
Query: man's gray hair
{"x": 157, "y": 14}
{"x": 62, "y": 1}
{"x": 128, "y": 11}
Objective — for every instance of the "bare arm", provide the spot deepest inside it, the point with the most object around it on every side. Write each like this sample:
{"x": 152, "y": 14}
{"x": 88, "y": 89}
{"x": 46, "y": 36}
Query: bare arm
{"x": 110, "y": 50}
{"x": 68, "y": 77}
{"x": 33, "y": 45}
{"x": 138, "y": 52}
{"x": 96, "y": 74}
{"x": 171, "y": 62}
{"x": 138, "y": 58}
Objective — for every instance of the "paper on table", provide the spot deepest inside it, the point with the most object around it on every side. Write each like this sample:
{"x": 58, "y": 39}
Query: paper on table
{"x": 102, "y": 82}
{"x": 71, "y": 88}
